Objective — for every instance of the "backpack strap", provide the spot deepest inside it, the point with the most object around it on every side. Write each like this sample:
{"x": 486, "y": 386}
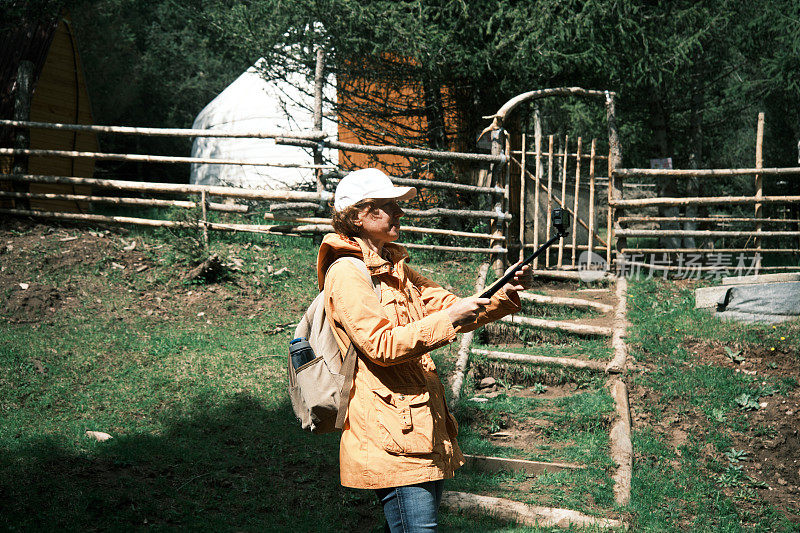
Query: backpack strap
{"x": 349, "y": 361}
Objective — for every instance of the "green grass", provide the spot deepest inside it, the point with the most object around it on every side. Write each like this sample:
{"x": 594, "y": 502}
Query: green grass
{"x": 204, "y": 437}
{"x": 687, "y": 487}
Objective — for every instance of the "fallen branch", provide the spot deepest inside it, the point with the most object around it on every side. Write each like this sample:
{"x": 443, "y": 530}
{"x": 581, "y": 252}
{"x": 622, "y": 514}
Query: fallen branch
{"x": 522, "y": 513}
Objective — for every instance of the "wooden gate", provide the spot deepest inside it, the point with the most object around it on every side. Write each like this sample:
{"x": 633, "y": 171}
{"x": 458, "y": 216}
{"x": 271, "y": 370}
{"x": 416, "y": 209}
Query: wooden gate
{"x": 561, "y": 174}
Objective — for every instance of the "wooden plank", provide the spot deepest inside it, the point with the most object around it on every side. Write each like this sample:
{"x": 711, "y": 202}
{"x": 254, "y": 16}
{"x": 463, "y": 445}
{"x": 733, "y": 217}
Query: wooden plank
{"x": 568, "y": 362}
{"x": 557, "y": 325}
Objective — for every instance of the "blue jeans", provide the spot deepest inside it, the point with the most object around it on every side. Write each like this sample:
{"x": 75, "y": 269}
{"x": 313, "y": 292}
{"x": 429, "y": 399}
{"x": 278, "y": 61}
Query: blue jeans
{"x": 412, "y": 508}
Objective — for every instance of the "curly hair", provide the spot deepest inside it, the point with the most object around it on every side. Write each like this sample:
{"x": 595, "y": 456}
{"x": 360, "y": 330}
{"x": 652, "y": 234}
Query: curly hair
{"x": 343, "y": 222}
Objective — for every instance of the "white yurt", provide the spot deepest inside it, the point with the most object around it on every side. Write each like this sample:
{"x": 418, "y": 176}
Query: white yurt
{"x": 253, "y": 103}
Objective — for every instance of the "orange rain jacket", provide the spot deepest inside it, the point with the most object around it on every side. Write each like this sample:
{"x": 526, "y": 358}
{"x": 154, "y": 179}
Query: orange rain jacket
{"x": 398, "y": 429}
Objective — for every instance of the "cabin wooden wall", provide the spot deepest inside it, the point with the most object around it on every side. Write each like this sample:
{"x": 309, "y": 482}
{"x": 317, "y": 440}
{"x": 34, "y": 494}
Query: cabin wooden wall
{"x": 400, "y": 118}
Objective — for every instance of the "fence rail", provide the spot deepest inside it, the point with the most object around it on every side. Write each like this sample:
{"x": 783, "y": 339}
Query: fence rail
{"x": 167, "y": 132}
{"x": 542, "y": 170}
{"x": 185, "y": 196}
{"x": 142, "y": 158}
{"x": 723, "y": 226}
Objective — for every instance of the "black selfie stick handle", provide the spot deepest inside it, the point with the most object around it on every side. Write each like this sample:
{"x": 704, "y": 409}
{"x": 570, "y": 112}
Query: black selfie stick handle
{"x": 510, "y": 274}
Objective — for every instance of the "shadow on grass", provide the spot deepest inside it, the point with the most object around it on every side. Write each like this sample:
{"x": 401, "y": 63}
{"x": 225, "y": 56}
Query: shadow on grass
{"x": 237, "y": 467}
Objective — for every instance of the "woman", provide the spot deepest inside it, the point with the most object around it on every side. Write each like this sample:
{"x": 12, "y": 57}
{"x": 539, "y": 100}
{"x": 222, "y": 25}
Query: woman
{"x": 399, "y": 438}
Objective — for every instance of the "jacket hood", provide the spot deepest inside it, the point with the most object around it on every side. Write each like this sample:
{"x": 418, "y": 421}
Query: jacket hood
{"x": 335, "y": 246}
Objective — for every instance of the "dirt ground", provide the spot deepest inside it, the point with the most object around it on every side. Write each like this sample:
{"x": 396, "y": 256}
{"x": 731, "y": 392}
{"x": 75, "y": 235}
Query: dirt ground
{"x": 773, "y": 460}
{"x": 32, "y": 253}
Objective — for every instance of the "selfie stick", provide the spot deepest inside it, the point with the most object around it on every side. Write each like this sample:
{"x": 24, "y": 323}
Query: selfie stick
{"x": 561, "y": 223}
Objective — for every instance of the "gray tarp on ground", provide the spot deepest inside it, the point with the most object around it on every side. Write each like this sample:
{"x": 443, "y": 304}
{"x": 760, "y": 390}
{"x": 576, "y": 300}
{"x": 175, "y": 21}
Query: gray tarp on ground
{"x": 768, "y": 302}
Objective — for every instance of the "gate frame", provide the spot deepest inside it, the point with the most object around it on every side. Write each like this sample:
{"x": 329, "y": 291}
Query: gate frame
{"x": 497, "y": 133}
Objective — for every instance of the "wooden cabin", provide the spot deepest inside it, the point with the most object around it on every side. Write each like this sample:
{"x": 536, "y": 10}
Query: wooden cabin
{"x": 59, "y": 95}
{"x": 389, "y": 112}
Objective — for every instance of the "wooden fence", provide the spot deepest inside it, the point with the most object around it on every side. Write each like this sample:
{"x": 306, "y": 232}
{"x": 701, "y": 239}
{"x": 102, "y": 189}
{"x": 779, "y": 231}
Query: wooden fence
{"x": 750, "y": 238}
{"x": 194, "y": 196}
{"x": 564, "y": 177}
{"x": 573, "y": 170}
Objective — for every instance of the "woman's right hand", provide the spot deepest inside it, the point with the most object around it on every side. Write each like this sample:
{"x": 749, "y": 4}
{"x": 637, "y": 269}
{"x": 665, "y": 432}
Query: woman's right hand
{"x": 466, "y": 310}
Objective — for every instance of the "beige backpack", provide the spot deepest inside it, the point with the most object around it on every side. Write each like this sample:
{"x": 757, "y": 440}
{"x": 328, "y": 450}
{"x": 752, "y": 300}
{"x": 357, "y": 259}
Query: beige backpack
{"x": 320, "y": 389}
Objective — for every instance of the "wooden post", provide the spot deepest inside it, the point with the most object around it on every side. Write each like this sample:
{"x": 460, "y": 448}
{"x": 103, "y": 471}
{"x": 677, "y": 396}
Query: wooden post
{"x": 575, "y": 203}
{"x": 563, "y": 197}
{"x": 591, "y": 197}
{"x": 506, "y": 205}
{"x": 23, "y": 91}
{"x": 550, "y": 157}
{"x": 614, "y": 182}
{"x": 759, "y": 186}
{"x": 522, "y": 202}
{"x": 319, "y": 81}
{"x": 537, "y": 131}
{"x": 497, "y": 179}
{"x": 204, "y": 221}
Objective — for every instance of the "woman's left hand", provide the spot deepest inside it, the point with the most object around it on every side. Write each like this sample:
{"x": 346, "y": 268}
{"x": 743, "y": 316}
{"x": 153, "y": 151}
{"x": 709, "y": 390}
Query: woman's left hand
{"x": 522, "y": 280}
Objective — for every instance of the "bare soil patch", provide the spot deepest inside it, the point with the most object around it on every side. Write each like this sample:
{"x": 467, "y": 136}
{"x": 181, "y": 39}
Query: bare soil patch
{"x": 773, "y": 445}
{"x": 82, "y": 261}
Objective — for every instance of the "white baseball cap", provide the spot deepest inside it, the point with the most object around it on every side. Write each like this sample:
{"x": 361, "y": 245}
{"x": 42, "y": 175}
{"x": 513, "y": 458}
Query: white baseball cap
{"x": 368, "y": 183}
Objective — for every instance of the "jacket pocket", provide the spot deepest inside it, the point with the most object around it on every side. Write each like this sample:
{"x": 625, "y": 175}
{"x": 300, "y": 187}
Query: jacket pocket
{"x": 405, "y": 421}
{"x": 395, "y": 308}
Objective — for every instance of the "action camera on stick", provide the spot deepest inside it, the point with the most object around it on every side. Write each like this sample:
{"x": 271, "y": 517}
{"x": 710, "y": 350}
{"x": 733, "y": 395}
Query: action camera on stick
{"x": 560, "y": 220}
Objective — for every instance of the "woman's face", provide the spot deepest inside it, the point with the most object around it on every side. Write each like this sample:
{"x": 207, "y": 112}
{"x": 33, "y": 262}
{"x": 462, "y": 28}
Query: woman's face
{"x": 380, "y": 223}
